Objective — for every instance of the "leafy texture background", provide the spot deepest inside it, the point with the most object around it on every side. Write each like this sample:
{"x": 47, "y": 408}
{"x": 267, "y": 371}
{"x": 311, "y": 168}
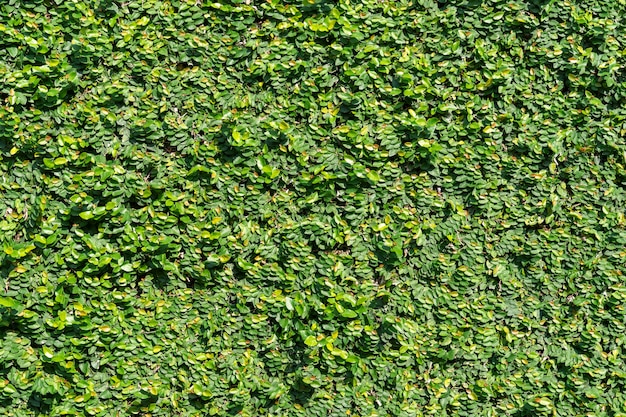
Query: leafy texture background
{"x": 341, "y": 208}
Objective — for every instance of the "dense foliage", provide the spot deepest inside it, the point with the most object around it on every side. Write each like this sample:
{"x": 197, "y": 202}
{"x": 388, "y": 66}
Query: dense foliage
{"x": 361, "y": 208}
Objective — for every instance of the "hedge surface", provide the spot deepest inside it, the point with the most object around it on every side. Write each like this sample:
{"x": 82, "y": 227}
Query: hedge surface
{"x": 368, "y": 208}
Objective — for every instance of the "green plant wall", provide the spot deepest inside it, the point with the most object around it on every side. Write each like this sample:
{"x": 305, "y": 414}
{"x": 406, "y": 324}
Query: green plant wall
{"x": 350, "y": 208}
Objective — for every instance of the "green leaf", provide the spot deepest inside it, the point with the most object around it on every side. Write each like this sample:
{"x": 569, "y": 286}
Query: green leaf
{"x": 48, "y": 353}
{"x": 349, "y": 314}
{"x": 86, "y": 215}
{"x": 8, "y": 302}
{"x": 310, "y": 341}
{"x": 373, "y": 176}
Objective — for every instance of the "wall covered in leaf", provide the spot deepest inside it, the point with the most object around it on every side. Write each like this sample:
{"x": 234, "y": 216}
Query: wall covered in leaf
{"x": 312, "y": 208}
